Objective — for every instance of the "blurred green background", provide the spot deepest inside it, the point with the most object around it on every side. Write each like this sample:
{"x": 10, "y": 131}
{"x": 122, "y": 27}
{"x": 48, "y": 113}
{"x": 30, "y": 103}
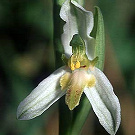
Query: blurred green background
{"x": 27, "y": 57}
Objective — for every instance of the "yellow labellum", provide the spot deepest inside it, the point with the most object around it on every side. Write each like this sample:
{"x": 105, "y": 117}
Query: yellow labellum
{"x": 75, "y": 83}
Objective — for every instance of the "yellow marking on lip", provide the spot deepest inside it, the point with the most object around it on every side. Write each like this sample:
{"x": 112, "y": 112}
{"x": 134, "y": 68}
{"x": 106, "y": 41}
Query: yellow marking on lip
{"x": 92, "y": 81}
{"x": 64, "y": 80}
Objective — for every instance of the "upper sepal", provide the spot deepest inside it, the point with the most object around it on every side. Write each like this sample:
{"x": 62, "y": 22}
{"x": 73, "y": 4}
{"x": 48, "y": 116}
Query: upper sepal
{"x": 78, "y": 21}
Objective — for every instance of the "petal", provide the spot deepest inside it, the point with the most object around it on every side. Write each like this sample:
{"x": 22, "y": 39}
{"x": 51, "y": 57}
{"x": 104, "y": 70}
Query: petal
{"x": 78, "y": 21}
{"x": 42, "y": 97}
{"x": 78, "y": 81}
{"x": 104, "y": 102}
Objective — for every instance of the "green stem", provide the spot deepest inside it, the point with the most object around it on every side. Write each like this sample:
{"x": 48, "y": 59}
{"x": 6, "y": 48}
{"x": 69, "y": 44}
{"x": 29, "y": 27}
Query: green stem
{"x": 58, "y": 29}
{"x": 65, "y": 116}
{"x": 80, "y": 116}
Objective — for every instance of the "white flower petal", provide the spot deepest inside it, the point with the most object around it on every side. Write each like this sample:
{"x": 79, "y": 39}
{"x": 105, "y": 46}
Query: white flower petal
{"x": 42, "y": 97}
{"x": 104, "y": 102}
{"x": 78, "y": 21}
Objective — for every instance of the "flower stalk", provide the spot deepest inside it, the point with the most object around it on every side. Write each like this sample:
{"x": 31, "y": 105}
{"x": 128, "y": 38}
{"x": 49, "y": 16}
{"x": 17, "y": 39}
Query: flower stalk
{"x": 64, "y": 122}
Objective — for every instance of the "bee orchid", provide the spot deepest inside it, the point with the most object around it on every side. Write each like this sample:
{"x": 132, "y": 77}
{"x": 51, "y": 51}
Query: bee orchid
{"x": 78, "y": 75}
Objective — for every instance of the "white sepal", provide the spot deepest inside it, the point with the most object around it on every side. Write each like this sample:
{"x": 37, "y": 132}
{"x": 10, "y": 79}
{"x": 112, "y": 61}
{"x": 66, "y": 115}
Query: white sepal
{"x": 42, "y": 97}
{"x": 104, "y": 102}
{"x": 78, "y": 21}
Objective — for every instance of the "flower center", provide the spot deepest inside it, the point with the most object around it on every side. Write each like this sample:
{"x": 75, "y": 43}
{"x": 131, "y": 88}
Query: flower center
{"x": 78, "y": 58}
{"x": 78, "y": 61}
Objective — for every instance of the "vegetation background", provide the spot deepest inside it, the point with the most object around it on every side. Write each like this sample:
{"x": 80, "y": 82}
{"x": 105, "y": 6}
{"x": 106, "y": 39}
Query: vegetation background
{"x": 26, "y": 58}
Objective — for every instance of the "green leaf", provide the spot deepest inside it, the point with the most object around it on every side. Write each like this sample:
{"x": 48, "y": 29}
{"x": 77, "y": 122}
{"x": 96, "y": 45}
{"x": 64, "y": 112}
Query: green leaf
{"x": 98, "y": 34}
{"x": 80, "y": 2}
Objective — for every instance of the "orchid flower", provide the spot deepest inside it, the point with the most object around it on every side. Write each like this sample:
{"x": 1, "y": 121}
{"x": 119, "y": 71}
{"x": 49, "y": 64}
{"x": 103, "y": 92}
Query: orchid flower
{"x": 77, "y": 76}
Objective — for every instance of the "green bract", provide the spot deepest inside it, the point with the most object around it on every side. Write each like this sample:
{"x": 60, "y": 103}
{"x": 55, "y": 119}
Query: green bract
{"x": 98, "y": 34}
